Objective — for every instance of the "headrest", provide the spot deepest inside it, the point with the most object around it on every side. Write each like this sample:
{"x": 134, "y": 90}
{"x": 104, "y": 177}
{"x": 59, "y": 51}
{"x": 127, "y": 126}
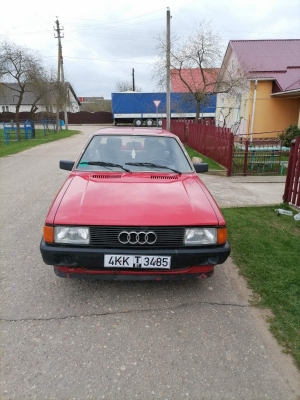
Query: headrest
{"x": 115, "y": 142}
{"x": 133, "y": 145}
{"x": 152, "y": 142}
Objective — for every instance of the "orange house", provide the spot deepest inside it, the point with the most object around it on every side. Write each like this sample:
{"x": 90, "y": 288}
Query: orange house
{"x": 270, "y": 101}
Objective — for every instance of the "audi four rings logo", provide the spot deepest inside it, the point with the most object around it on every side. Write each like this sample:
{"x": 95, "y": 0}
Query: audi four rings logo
{"x": 137, "y": 237}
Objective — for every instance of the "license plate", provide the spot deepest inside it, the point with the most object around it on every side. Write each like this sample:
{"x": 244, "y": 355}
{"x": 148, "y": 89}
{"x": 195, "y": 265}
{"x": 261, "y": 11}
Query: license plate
{"x": 124, "y": 261}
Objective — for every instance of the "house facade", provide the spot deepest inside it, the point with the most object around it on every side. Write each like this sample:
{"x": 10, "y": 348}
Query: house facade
{"x": 9, "y": 100}
{"x": 270, "y": 101}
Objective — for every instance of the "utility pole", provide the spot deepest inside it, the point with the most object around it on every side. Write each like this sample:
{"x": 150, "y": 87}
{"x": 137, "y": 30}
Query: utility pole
{"x": 60, "y": 70}
{"x": 168, "y": 63}
{"x": 133, "y": 84}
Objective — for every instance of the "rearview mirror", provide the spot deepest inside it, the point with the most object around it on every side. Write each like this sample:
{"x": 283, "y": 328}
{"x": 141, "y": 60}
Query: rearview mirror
{"x": 67, "y": 165}
{"x": 200, "y": 167}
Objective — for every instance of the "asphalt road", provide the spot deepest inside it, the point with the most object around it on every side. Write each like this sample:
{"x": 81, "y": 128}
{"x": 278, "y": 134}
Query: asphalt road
{"x": 68, "y": 339}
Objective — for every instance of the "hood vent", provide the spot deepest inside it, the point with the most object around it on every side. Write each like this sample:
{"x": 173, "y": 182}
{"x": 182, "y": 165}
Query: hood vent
{"x": 110, "y": 176}
{"x": 172, "y": 177}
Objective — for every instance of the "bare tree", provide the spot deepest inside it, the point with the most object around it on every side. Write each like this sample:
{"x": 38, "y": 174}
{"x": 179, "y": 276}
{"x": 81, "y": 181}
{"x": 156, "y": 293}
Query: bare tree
{"x": 42, "y": 89}
{"x": 20, "y": 66}
{"x": 200, "y": 54}
{"x": 124, "y": 86}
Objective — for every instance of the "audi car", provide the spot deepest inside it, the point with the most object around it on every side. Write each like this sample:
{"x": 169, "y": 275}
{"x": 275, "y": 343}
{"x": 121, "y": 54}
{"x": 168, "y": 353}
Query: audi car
{"x": 134, "y": 208}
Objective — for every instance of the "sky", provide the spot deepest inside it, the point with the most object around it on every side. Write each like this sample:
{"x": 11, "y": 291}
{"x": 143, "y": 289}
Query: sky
{"x": 104, "y": 41}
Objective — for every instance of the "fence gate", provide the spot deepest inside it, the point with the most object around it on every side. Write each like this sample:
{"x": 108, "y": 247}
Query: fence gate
{"x": 259, "y": 158}
{"x": 292, "y": 184}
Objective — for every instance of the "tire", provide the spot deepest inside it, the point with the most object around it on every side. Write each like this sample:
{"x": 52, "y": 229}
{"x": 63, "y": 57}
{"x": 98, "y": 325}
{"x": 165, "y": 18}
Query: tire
{"x": 138, "y": 122}
{"x": 159, "y": 123}
{"x": 149, "y": 122}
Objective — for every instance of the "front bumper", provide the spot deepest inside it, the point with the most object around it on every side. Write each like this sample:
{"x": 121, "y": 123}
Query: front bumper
{"x": 71, "y": 260}
{"x": 202, "y": 272}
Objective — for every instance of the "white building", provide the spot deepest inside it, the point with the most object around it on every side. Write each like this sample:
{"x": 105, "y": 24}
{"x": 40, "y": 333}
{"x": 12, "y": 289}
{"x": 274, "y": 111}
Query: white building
{"x": 9, "y": 98}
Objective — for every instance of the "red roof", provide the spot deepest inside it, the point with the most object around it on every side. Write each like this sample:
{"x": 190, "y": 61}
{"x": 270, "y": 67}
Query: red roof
{"x": 271, "y": 59}
{"x": 194, "y": 79}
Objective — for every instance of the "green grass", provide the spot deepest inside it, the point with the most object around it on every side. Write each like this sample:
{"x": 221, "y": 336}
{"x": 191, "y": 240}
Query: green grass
{"x": 266, "y": 249}
{"x": 14, "y": 146}
{"x": 212, "y": 165}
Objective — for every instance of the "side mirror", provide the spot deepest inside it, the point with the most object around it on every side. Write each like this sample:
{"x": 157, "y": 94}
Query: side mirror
{"x": 67, "y": 165}
{"x": 200, "y": 167}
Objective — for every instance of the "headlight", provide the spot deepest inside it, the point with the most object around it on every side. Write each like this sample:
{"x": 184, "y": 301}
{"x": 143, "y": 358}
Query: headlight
{"x": 71, "y": 235}
{"x": 200, "y": 236}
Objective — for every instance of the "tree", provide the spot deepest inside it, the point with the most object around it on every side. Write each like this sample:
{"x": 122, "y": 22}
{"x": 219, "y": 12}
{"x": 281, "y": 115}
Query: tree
{"x": 196, "y": 60}
{"x": 124, "y": 86}
{"x": 290, "y": 134}
{"x": 20, "y": 66}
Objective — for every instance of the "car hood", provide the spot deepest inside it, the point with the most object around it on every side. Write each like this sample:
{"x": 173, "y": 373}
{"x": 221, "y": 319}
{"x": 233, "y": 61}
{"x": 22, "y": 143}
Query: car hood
{"x": 136, "y": 200}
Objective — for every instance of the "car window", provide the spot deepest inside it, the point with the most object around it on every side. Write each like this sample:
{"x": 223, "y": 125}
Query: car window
{"x": 125, "y": 151}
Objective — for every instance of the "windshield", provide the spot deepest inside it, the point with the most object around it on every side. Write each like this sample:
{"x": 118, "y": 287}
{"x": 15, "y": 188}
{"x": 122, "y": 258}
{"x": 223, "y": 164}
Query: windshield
{"x": 134, "y": 153}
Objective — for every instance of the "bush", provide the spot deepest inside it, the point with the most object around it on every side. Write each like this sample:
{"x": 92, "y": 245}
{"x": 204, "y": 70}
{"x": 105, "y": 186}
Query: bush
{"x": 291, "y": 132}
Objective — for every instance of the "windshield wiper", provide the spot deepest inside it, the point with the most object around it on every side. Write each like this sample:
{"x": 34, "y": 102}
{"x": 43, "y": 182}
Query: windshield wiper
{"x": 104, "y": 164}
{"x": 151, "y": 165}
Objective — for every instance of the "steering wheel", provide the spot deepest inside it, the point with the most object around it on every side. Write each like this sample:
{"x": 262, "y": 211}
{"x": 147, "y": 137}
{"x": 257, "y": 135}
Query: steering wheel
{"x": 161, "y": 161}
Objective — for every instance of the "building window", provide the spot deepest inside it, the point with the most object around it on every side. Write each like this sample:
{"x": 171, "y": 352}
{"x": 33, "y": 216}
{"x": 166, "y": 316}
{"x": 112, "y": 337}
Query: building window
{"x": 5, "y": 108}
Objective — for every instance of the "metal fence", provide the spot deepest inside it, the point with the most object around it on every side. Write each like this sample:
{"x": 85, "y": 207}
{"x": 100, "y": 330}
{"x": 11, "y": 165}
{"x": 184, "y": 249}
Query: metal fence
{"x": 213, "y": 142}
{"x": 82, "y": 117}
{"x": 46, "y": 125}
{"x": 29, "y": 129}
{"x": 85, "y": 117}
{"x": 250, "y": 159}
{"x": 179, "y": 128}
{"x": 238, "y": 154}
{"x": 259, "y": 155}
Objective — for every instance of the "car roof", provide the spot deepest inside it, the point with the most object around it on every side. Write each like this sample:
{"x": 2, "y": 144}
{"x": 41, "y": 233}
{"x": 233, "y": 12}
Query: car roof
{"x": 133, "y": 131}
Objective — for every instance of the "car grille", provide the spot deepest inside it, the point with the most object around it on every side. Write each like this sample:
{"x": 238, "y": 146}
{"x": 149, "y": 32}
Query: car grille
{"x": 108, "y": 236}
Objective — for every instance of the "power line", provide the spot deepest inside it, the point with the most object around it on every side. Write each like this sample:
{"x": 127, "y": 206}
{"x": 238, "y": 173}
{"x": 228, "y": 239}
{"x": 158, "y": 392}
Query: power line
{"x": 141, "y": 37}
{"x": 82, "y": 47}
{"x": 114, "y": 25}
{"x": 104, "y": 59}
{"x": 122, "y": 20}
{"x": 182, "y": 22}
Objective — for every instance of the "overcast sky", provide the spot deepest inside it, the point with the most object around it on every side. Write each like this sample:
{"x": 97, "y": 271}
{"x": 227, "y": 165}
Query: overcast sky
{"x": 104, "y": 41}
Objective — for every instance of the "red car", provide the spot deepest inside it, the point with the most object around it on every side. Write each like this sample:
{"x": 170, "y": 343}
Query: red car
{"x": 134, "y": 208}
